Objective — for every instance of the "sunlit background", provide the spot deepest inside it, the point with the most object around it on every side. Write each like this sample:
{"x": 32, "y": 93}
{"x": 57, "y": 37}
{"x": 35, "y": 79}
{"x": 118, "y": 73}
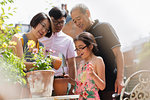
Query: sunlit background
{"x": 130, "y": 18}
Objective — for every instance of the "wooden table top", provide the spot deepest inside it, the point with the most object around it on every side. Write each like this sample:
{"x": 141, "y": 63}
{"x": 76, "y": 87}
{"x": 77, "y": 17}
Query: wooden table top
{"x": 64, "y": 97}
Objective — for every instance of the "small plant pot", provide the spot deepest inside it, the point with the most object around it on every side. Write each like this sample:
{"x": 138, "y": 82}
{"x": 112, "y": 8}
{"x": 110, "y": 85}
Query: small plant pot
{"x": 40, "y": 82}
{"x": 60, "y": 86}
{"x": 56, "y": 62}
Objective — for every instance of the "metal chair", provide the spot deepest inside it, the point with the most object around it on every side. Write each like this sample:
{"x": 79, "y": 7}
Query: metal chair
{"x": 140, "y": 90}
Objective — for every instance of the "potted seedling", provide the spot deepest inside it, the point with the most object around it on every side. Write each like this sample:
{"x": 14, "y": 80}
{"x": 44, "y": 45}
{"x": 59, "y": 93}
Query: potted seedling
{"x": 40, "y": 78}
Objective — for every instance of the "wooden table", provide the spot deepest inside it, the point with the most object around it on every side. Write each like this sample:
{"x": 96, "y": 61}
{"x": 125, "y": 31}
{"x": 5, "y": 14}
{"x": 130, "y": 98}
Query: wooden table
{"x": 65, "y": 97}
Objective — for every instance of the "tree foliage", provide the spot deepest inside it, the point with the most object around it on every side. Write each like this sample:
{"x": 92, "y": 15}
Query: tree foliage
{"x": 12, "y": 67}
{"x": 6, "y": 30}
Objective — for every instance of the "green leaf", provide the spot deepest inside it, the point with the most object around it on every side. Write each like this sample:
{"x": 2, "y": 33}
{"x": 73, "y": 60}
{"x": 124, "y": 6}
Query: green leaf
{"x": 3, "y": 3}
{"x": 10, "y": 14}
{"x": 3, "y": 10}
{"x": 9, "y": 8}
{"x": 11, "y": 1}
{"x": 14, "y": 8}
{"x": 5, "y": 17}
{"x": 10, "y": 25}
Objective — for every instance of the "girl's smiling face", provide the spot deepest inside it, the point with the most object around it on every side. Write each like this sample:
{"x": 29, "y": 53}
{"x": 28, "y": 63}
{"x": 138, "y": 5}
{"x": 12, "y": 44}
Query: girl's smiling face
{"x": 82, "y": 49}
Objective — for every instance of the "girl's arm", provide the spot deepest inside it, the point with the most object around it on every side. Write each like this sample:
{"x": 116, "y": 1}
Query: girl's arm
{"x": 71, "y": 81}
{"x": 98, "y": 75}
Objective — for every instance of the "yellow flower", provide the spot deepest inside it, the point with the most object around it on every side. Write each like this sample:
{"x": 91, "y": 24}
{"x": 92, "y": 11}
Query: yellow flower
{"x": 5, "y": 45}
{"x": 31, "y": 43}
{"x": 1, "y": 22}
{"x": 12, "y": 43}
{"x": 1, "y": 27}
{"x": 17, "y": 27}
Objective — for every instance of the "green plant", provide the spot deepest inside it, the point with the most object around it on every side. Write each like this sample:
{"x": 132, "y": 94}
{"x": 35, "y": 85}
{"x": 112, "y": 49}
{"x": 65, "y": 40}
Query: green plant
{"x": 7, "y": 30}
{"x": 12, "y": 68}
{"x": 41, "y": 60}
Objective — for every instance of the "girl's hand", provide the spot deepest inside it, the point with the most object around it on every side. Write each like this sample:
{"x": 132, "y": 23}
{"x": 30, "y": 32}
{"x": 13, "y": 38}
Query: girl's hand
{"x": 90, "y": 70}
{"x": 67, "y": 76}
{"x": 70, "y": 80}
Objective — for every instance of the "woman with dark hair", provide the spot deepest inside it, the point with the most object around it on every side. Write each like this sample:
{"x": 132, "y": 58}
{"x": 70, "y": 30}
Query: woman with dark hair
{"x": 41, "y": 26}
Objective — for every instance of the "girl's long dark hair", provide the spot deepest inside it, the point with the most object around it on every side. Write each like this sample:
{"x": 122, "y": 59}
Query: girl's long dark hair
{"x": 88, "y": 39}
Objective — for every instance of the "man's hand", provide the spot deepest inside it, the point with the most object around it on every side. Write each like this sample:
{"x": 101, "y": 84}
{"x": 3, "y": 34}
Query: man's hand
{"x": 119, "y": 84}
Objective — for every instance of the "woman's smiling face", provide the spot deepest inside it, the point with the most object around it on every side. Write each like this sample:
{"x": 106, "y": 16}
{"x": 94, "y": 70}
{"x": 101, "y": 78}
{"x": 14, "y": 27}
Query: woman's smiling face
{"x": 42, "y": 28}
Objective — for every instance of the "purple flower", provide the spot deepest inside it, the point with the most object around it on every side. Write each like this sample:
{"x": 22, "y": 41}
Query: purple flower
{"x": 1, "y": 56}
{"x": 46, "y": 51}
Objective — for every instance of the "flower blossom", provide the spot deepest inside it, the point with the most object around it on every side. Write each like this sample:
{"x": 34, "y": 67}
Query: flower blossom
{"x": 4, "y": 45}
{"x": 31, "y": 44}
{"x": 35, "y": 51}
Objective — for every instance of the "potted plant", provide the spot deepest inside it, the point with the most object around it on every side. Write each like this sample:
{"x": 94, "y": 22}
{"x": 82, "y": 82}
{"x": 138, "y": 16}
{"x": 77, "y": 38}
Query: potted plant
{"x": 61, "y": 82}
{"x": 40, "y": 78}
{"x": 60, "y": 86}
{"x": 40, "y": 82}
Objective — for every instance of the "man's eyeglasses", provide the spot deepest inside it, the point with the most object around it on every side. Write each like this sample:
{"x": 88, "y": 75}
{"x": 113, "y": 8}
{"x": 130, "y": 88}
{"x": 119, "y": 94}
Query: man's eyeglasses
{"x": 44, "y": 26}
{"x": 58, "y": 22}
{"x": 81, "y": 48}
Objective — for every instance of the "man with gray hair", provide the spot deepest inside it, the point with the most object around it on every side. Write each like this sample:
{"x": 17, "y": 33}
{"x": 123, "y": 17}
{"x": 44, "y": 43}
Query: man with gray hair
{"x": 109, "y": 49}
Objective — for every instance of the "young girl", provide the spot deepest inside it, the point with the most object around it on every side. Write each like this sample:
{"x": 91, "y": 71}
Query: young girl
{"x": 91, "y": 70}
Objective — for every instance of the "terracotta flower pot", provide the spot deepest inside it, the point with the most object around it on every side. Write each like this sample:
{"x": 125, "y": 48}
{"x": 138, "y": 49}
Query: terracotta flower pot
{"x": 40, "y": 82}
{"x": 60, "y": 86}
{"x": 56, "y": 62}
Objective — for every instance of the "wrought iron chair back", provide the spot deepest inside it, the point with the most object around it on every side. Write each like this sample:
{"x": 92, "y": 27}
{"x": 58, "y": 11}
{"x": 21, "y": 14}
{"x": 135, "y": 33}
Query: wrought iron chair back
{"x": 141, "y": 90}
